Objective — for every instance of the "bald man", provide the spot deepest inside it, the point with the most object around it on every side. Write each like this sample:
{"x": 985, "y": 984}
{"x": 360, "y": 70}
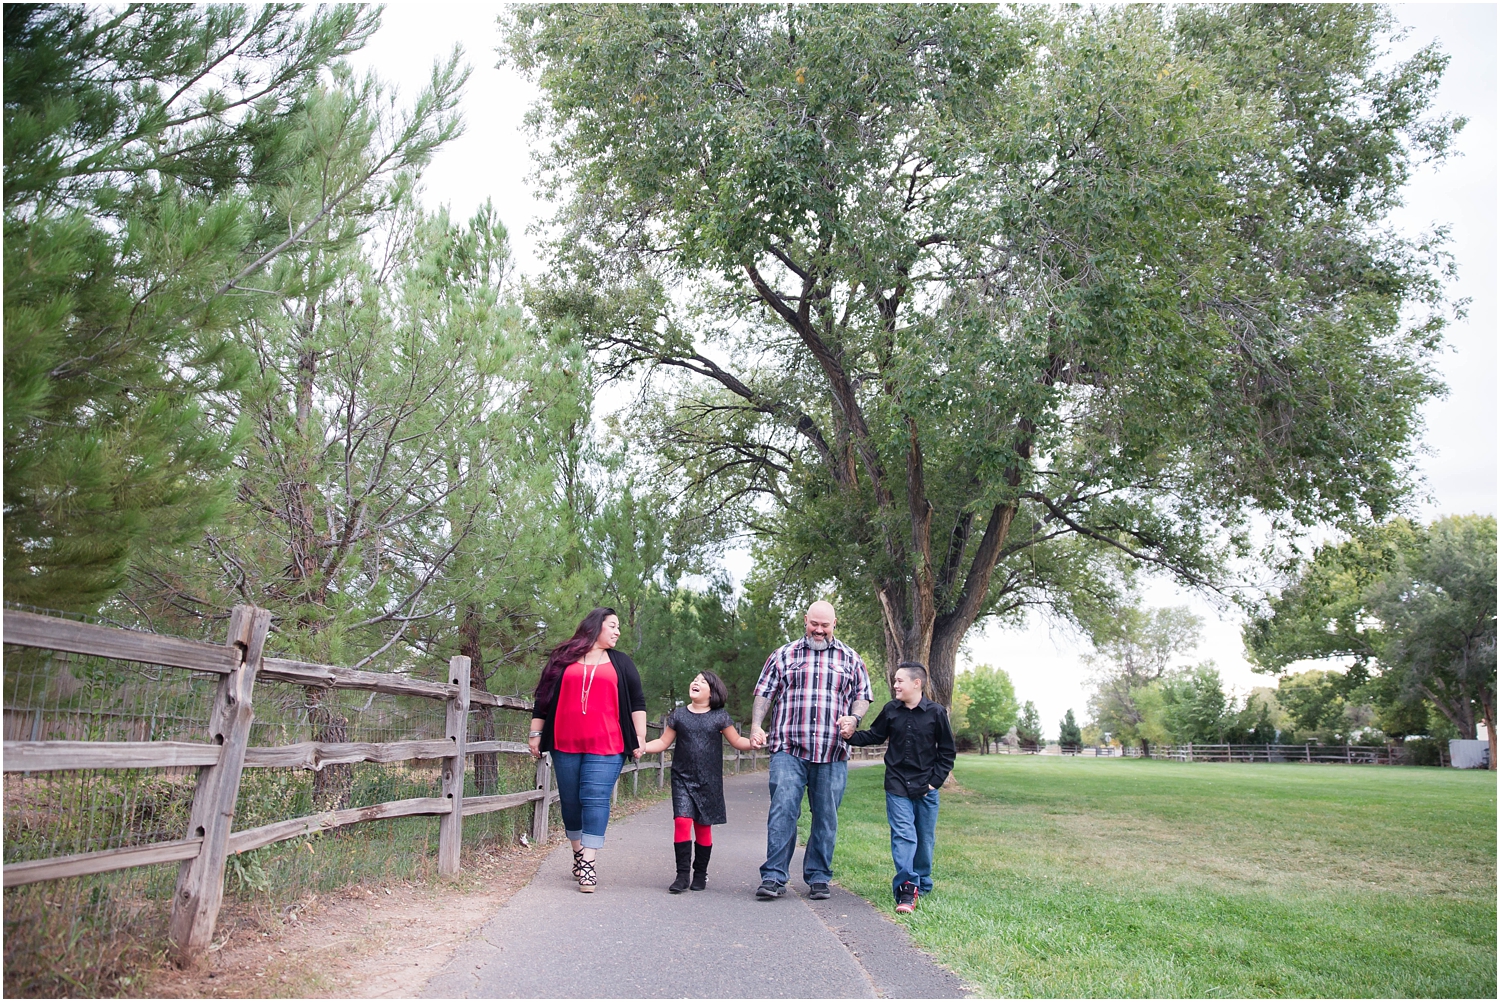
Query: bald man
{"x": 817, "y": 684}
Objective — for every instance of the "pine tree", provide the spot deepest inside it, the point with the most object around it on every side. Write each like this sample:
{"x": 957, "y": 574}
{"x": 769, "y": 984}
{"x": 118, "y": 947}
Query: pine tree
{"x": 133, "y": 141}
{"x": 1069, "y": 736}
{"x": 1029, "y": 727}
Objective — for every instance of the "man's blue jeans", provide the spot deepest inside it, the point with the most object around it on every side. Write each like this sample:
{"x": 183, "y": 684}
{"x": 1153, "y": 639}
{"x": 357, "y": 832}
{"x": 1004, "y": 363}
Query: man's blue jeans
{"x": 584, "y": 783}
{"x": 913, "y": 831}
{"x": 823, "y": 782}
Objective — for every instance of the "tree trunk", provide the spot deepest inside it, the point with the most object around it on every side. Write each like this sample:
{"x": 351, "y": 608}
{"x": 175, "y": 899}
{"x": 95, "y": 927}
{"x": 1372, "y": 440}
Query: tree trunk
{"x": 487, "y": 764}
{"x": 942, "y": 665}
{"x": 1459, "y": 711}
{"x": 332, "y": 784}
{"x": 931, "y": 639}
{"x": 905, "y": 639}
{"x": 1487, "y": 707}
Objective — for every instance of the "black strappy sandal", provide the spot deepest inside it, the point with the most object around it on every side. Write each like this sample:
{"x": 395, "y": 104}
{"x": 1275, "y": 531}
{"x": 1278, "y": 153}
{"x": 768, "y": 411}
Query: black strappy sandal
{"x": 577, "y": 859}
{"x": 587, "y": 878}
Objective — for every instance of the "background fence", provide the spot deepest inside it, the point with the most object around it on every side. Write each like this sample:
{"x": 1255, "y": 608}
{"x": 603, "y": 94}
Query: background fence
{"x": 1307, "y": 753}
{"x": 146, "y": 776}
{"x": 1393, "y": 754}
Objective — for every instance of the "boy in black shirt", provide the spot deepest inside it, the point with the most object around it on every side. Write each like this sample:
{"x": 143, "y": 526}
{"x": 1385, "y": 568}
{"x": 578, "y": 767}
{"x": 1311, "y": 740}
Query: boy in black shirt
{"x": 918, "y": 757}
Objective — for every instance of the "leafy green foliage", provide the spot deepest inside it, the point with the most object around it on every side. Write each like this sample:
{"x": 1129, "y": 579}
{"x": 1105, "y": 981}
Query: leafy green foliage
{"x": 985, "y": 705}
{"x": 1194, "y": 705}
{"x": 1438, "y": 612}
{"x": 1411, "y": 607}
{"x": 947, "y": 285}
{"x": 1135, "y": 648}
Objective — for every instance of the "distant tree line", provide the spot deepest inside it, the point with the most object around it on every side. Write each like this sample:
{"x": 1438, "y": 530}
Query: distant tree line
{"x": 1403, "y": 613}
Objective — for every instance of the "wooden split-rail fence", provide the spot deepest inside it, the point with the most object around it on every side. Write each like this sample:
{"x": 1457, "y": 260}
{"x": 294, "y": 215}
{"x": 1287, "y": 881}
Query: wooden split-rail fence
{"x": 226, "y": 752}
{"x": 1306, "y": 753}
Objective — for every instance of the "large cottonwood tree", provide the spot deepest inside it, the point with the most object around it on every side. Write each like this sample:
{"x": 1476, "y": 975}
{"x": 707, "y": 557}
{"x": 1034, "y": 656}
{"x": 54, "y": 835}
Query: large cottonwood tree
{"x": 944, "y": 284}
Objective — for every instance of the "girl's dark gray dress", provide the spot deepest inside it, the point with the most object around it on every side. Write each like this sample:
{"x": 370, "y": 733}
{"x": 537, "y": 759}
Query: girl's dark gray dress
{"x": 698, "y": 764}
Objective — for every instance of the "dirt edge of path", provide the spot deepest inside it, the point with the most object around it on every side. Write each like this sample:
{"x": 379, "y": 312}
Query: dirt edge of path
{"x": 363, "y": 941}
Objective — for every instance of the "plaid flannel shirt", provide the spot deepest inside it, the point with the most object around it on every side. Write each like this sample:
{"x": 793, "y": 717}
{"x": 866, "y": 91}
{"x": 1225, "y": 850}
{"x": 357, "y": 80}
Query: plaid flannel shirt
{"x": 812, "y": 690}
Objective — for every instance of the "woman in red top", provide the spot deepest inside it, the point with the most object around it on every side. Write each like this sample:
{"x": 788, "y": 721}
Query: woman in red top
{"x": 589, "y": 713}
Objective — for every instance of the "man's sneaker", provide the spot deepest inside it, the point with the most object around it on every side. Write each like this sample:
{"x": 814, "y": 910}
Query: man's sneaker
{"x": 769, "y": 889}
{"x": 819, "y": 892}
{"x": 906, "y": 899}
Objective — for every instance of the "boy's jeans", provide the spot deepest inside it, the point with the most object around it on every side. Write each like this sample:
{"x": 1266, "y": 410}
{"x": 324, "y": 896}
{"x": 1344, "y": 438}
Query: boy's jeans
{"x": 824, "y": 784}
{"x": 913, "y": 831}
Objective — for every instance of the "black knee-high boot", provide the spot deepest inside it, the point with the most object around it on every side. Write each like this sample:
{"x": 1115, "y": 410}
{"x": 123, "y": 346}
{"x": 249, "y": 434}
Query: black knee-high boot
{"x": 700, "y": 865}
{"x": 684, "y": 852}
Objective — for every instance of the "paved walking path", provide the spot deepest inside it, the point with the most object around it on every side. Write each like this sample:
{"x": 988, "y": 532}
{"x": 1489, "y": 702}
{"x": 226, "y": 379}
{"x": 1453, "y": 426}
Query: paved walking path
{"x": 632, "y": 939}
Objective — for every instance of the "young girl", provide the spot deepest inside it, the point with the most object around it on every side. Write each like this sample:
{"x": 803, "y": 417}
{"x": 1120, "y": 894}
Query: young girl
{"x": 697, "y": 773}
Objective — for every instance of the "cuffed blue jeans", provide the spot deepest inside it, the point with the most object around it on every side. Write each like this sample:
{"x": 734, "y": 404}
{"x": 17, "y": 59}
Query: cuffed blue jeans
{"x": 584, "y": 784}
{"x": 913, "y": 831}
{"x": 823, "y": 782}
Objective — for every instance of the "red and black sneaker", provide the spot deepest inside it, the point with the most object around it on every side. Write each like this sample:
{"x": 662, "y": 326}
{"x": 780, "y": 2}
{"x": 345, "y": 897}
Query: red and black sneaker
{"x": 906, "y": 899}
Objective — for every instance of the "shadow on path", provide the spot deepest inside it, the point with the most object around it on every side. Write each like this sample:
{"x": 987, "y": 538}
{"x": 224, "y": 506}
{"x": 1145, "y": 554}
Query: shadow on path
{"x": 632, "y": 939}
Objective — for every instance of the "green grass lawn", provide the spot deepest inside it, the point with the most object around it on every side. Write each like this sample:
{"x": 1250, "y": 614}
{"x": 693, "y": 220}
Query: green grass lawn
{"x": 1109, "y": 877}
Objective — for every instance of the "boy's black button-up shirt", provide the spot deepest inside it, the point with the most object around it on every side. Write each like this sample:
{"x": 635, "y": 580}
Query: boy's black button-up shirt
{"x": 919, "y": 746}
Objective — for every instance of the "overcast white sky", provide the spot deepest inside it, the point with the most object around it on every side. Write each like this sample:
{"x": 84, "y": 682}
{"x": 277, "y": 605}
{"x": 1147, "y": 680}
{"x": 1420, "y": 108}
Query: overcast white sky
{"x": 492, "y": 161}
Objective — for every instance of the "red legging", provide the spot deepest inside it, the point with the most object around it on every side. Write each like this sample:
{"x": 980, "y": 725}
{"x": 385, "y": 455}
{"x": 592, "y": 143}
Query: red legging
{"x": 684, "y": 829}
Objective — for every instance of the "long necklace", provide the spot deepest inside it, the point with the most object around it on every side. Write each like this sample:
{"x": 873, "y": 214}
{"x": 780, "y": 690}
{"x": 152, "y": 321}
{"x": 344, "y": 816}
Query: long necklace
{"x": 589, "y": 671}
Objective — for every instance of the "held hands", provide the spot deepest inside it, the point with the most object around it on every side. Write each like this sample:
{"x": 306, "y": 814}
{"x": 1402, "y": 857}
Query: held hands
{"x": 846, "y": 727}
{"x": 757, "y": 736}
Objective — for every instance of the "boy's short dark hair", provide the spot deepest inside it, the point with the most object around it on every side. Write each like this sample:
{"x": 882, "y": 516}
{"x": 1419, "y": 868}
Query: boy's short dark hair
{"x": 915, "y": 670}
{"x": 718, "y": 695}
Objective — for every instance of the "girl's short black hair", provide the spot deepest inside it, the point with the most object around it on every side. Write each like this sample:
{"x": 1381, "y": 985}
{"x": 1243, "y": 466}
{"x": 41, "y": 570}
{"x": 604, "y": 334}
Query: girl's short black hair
{"x": 718, "y": 695}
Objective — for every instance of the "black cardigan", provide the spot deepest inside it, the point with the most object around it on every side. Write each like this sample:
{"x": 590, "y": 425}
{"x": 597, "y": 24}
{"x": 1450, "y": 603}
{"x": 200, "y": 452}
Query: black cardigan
{"x": 631, "y": 698}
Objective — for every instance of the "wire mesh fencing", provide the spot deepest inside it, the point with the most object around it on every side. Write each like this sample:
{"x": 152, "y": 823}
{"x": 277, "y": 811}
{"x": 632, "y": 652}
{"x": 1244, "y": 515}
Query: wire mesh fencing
{"x": 83, "y": 935}
{"x": 94, "y": 935}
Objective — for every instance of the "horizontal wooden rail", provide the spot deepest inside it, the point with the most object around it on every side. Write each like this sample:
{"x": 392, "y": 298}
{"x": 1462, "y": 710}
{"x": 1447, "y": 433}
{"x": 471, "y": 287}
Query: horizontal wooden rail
{"x": 316, "y": 754}
{"x": 280, "y": 831}
{"x": 52, "y": 756}
{"x": 491, "y": 747}
{"x": 503, "y": 801}
{"x": 337, "y": 677}
{"x": 31, "y": 630}
{"x": 17, "y": 874}
{"x": 504, "y": 702}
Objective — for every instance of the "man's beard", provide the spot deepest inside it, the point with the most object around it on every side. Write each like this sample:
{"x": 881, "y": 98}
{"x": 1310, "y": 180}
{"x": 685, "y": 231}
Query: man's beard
{"x": 818, "y": 643}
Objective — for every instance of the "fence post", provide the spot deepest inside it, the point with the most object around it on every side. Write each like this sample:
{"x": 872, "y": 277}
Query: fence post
{"x": 540, "y": 813}
{"x": 1307, "y": 753}
{"x": 451, "y": 826}
{"x": 200, "y": 881}
{"x": 635, "y": 780}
